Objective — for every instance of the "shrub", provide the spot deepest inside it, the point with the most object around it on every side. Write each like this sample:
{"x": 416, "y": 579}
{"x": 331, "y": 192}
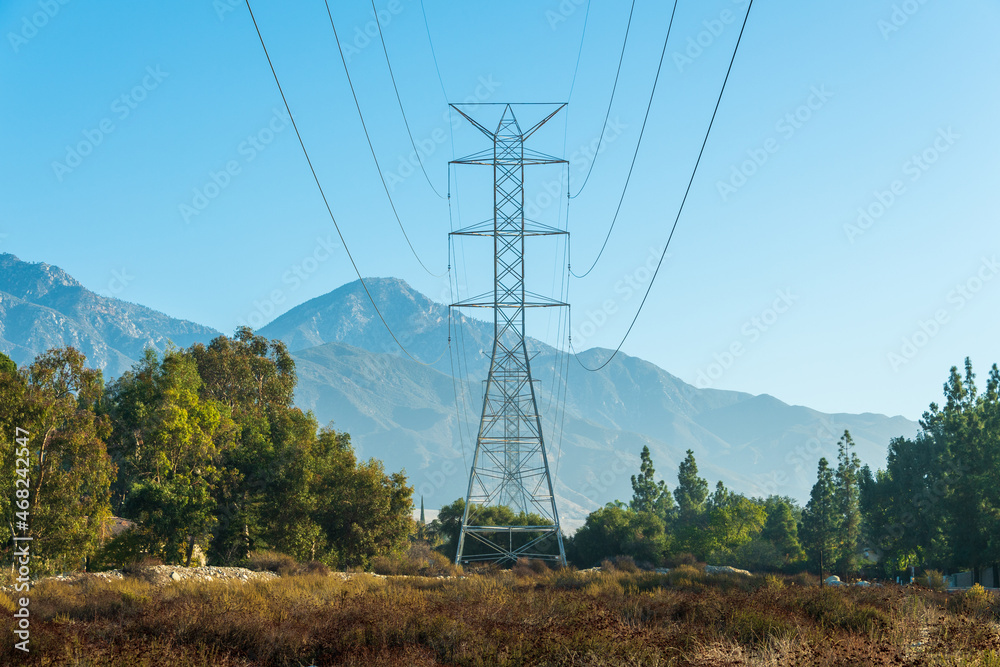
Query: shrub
{"x": 619, "y": 564}
{"x": 527, "y": 567}
{"x": 271, "y": 561}
{"x": 832, "y": 609}
{"x": 934, "y": 580}
{"x": 755, "y": 628}
{"x": 139, "y": 567}
{"x": 419, "y": 560}
{"x": 683, "y": 558}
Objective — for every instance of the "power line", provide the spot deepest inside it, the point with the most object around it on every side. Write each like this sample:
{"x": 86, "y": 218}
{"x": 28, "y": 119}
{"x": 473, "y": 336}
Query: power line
{"x": 400, "y": 101}
{"x": 326, "y": 202}
{"x": 611, "y": 100}
{"x": 638, "y": 143}
{"x": 364, "y": 127}
{"x": 579, "y": 54}
{"x": 433, "y": 54}
{"x": 680, "y": 209}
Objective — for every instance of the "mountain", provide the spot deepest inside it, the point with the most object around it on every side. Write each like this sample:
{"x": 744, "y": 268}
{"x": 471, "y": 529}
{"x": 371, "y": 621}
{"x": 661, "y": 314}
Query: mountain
{"x": 419, "y": 415}
{"x": 42, "y": 306}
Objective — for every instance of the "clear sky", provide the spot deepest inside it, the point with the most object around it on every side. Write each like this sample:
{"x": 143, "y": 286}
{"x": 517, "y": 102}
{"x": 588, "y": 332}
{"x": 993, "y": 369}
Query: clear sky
{"x": 838, "y": 248}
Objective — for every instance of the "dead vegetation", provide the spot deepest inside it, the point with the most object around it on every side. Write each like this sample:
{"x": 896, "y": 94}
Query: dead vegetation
{"x": 531, "y": 615}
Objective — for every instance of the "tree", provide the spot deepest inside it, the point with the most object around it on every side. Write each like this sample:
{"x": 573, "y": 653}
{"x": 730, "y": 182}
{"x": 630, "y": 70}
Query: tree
{"x": 820, "y": 520}
{"x": 781, "y": 530}
{"x": 447, "y": 528}
{"x": 733, "y": 522}
{"x": 649, "y": 495}
{"x": 846, "y": 480}
{"x": 255, "y": 378}
{"x": 616, "y": 531}
{"x": 691, "y": 494}
{"x": 691, "y": 491}
{"x": 362, "y": 511}
{"x": 172, "y": 470}
{"x": 70, "y": 469}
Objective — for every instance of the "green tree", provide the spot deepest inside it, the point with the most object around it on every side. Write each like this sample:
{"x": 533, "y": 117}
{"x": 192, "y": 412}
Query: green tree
{"x": 70, "y": 470}
{"x": 447, "y": 528}
{"x": 821, "y": 520}
{"x": 781, "y": 529}
{"x": 617, "y": 531}
{"x": 13, "y": 386}
{"x": 691, "y": 520}
{"x": 846, "y": 480}
{"x": 255, "y": 378}
{"x": 733, "y": 522}
{"x": 648, "y": 495}
{"x": 363, "y": 511}
{"x": 171, "y": 472}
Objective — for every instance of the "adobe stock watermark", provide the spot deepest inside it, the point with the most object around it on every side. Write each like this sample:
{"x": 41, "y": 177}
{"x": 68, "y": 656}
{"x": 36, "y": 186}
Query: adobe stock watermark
{"x": 554, "y": 190}
{"x": 956, "y": 299}
{"x": 599, "y": 485}
{"x": 914, "y": 169}
{"x": 750, "y": 332}
{"x": 698, "y": 44}
{"x": 120, "y": 279}
{"x": 805, "y": 455}
{"x": 630, "y": 284}
{"x": 785, "y": 127}
{"x": 354, "y": 42}
{"x": 121, "y": 108}
{"x": 407, "y": 165}
{"x": 798, "y": 461}
{"x": 900, "y": 16}
{"x": 31, "y": 24}
{"x": 248, "y": 150}
{"x": 562, "y": 12}
{"x": 293, "y": 278}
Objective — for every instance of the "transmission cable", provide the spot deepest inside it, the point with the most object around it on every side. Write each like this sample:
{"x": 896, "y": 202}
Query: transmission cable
{"x": 611, "y": 100}
{"x": 579, "y": 54}
{"x": 680, "y": 209}
{"x": 326, "y": 202}
{"x": 364, "y": 127}
{"x": 638, "y": 143}
{"x": 430, "y": 41}
{"x": 400, "y": 101}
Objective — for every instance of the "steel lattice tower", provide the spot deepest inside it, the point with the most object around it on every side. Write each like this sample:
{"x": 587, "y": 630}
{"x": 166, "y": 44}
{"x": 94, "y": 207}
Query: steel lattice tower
{"x": 510, "y": 467}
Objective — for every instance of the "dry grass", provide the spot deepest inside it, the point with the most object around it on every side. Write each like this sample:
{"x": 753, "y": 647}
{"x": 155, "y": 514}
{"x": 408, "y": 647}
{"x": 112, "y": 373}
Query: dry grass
{"x": 530, "y": 615}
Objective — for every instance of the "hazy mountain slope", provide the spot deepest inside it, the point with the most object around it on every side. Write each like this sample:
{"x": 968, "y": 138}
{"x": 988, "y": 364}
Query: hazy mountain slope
{"x": 755, "y": 444}
{"x": 406, "y": 413}
{"x": 42, "y": 306}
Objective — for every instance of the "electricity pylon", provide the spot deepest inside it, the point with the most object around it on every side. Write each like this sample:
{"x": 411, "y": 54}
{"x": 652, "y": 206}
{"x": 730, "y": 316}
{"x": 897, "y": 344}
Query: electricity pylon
{"x": 510, "y": 467}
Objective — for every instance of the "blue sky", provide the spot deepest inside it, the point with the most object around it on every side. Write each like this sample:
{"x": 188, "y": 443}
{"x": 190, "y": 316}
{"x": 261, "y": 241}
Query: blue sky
{"x": 837, "y": 249}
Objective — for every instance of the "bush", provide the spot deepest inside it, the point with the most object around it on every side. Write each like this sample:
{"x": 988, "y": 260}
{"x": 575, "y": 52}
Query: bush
{"x": 139, "y": 566}
{"x": 619, "y": 564}
{"x": 756, "y": 629}
{"x": 683, "y": 558}
{"x": 527, "y": 567}
{"x": 271, "y": 561}
{"x": 934, "y": 580}
{"x": 419, "y": 560}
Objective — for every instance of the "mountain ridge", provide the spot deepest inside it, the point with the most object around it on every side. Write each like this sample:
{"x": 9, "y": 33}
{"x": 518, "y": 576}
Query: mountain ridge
{"x": 420, "y": 417}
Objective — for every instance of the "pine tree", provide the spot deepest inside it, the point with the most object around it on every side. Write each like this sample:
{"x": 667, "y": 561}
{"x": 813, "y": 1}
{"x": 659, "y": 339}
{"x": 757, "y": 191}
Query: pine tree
{"x": 820, "y": 520}
{"x": 649, "y": 495}
{"x": 848, "y": 508}
{"x": 692, "y": 519}
{"x": 781, "y": 530}
{"x": 691, "y": 491}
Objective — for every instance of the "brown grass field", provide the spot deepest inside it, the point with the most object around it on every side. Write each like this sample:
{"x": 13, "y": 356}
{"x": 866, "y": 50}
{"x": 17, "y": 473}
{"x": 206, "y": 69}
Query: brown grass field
{"x": 525, "y": 616}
